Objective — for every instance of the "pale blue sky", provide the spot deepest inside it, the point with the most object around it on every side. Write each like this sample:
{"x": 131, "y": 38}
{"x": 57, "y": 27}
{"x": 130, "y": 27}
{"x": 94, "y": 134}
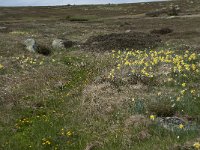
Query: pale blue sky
{"x": 63, "y": 2}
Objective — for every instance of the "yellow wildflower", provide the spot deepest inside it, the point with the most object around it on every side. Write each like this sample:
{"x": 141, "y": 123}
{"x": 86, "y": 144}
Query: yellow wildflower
{"x": 1, "y": 66}
{"x": 193, "y": 67}
{"x": 152, "y": 117}
{"x": 192, "y": 91}
{"x": 181, "y": 126}
{"x": 48, "y": 142}
{"x": 183, "y": 84}
{"x": 69, "y": 133}
{"x": 183, "y": 92}
{"x": 197, "y": 145}
{"x": 155, "y": 61}
{"x": 192, "y": 57}
{"x": 118, "y": 66}
{"x": 127, "y": 63}
{"x": 146, "y": 64}
{"x": 111, "y": 75}
{"x": 146, "y": 74}
{"x": 187, "y": 67}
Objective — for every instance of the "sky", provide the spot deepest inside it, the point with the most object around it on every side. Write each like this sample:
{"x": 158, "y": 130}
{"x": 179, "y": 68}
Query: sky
{"x": 63, "y": 2}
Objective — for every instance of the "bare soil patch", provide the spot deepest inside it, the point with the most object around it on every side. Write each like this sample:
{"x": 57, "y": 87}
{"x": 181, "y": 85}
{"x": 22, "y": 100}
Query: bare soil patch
{"x": 122, "y": 41}
{"x": 162, "y": 31}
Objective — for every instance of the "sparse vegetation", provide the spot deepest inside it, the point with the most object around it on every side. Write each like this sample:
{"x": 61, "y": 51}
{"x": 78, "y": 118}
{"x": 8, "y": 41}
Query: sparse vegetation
{"x": 118, "y": 86}
{"x": 167, "y": 68}
{"x": 77, "y": 18}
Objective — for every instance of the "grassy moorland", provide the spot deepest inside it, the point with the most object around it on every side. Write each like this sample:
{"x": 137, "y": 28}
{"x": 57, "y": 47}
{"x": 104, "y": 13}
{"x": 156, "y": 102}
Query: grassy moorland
{"x": 125, "y": 72}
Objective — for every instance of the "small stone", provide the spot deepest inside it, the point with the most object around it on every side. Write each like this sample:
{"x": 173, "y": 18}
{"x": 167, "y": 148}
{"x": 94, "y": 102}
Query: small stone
{"x": 31, "y": 45}
{"x": 127, "y": 31}
{"x": 171, "y": 120}
{"x": 3, "y": 28}
{"x": 176, "y": 123}
{"x": 61, "y": 44}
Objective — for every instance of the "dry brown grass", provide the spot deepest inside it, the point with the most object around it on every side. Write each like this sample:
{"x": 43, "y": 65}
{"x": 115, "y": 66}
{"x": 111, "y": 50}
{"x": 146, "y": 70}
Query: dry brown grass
{"x": 102, "y": 98}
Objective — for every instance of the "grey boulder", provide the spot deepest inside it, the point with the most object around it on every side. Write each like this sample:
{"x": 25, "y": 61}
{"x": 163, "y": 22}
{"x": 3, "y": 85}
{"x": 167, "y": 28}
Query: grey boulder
{"x": 31, "y": 45}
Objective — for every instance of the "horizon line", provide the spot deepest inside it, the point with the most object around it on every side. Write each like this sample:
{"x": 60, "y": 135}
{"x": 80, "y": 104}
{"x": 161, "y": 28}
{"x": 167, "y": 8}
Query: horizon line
{"x": 152, "y": 1}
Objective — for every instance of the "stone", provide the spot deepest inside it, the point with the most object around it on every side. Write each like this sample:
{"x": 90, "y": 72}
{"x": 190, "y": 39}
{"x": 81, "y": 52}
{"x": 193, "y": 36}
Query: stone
{"x": 173, "y": 123}
{"x": 61, "y": 44}
{"x": 127, "y": 31}
{"x": 31, "y": 45}
{"x": 171, "y": 120}
{"x": 3, "y": 28}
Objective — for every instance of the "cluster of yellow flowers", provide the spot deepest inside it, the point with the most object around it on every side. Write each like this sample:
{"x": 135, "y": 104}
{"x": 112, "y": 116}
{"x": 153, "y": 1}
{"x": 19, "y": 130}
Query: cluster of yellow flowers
{"x": 25, "y": 61}
{"x": 174, "y": 65}
{"x": 46, "y": 141}
{"x": 19, "y": 33}
{"x": 23, "y": 122}
{"x": 145, "y": 62}
{"x": 28, "y": 60}
{"x": 67, "y": 133}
